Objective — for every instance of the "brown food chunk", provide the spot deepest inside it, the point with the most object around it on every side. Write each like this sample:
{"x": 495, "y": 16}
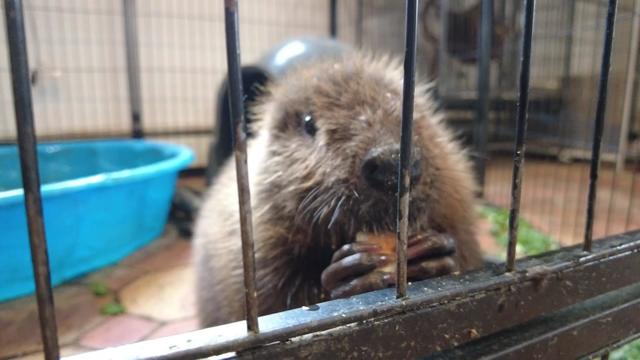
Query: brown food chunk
{"x": 386, "y": 243}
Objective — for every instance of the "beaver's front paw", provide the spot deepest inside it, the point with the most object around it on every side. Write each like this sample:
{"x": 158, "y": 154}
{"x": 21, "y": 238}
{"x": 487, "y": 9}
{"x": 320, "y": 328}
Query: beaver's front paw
{"x": 353, "y": 270}
{"x": 369, "y": 263}
{"x": 430, "y": 255}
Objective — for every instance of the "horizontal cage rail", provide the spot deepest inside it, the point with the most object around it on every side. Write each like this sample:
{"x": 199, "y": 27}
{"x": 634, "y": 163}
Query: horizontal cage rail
{"x": 438, "y": 314}
{"x": 562, "y": 335}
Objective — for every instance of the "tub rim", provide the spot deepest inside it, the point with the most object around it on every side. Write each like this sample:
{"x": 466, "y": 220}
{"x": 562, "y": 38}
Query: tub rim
{"x": 181, "y": 157}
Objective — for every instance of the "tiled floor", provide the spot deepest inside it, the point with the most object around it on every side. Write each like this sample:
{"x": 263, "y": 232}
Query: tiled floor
{"x": 154, "y": 286}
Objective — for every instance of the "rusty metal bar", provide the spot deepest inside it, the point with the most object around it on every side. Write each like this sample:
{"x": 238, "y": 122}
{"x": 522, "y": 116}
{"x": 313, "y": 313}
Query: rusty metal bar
{"x": 484, "y": 91}
{"x": 333, "y": 18}
{"x": 439, "y": 314}
{"x": 521, "y": 130}
{"x": 568, "y": 43}
{"x": 632, "y": 65}
{"x": 404, "y": 185}
{"x": 604, "y": 320}
{"x": 239, "y": 131}
{"x": 599, "y": 122}
{"x": 632, "y": 195}
{"x": 359, "y": 28}
{"x": 27, "y": 147}
{"x": 133, "y": 66}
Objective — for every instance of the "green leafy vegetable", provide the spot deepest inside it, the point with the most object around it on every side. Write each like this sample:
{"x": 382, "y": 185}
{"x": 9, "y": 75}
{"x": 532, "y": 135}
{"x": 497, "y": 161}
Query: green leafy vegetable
{"x": 99, "y": 288}
{"x": 630, "y": 351}
{"x": 113, "y": 308}
{"x": 530, "y": 240}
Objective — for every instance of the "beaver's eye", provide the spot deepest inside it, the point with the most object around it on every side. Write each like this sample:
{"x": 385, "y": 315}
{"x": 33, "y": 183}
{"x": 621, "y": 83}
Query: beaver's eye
{"x": 309, "y": 124}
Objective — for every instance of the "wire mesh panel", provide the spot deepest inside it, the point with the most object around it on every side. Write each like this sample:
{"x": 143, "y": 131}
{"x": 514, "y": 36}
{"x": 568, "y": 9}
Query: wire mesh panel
{"x": 560, "y": 131}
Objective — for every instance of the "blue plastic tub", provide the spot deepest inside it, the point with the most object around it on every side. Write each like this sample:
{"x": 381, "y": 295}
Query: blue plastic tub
{"x": 102, "y": 200}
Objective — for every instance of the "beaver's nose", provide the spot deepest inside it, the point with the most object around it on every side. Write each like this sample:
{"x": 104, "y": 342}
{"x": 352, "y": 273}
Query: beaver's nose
{"x": 380, "y": 168}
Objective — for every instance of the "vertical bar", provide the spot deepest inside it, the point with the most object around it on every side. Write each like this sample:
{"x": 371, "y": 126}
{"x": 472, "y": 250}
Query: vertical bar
{"x": 632, "y": 195}
{"x": 359, "y": 21}
{"x": 404, "y": 185}
{"x": 333, "y": 18}
{"x": 635, "y": 167}
{"x": 30, "y": 174}
{"x": 239, "y": 131}
{"x": 623, "y": 141}
{"x": 599, "y": 122}
{"x": 568, "y": 43}
{"x": 628, "y": 91}
{"x": 443, "y": 46}
{"x": 133, "y": 66}
{"x": 521, "y": 130}
{"x": 484, "y": 87}
{"x": 562, "y": 127}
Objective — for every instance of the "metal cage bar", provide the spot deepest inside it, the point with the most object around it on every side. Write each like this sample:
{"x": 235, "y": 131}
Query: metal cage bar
{"x": 484, "y": 89}
{"x": 404, "y": 183}
{"x": 599, "y": 122}
{"x": 454, "y": 306}
{"x": 440, "y": 314}
{"x": 239, "y": 132}
{"x": 561, "y": 335}
{"x": 27, "y": 148}
{"x": 133, "y": 66}
{"x": 333, "y": 18}
{"x": 632, "y": 65}
{"x": 521, "y": 130}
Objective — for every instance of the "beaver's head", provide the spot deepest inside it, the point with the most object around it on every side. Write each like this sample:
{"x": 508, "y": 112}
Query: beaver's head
{"x": 333, "y": 133}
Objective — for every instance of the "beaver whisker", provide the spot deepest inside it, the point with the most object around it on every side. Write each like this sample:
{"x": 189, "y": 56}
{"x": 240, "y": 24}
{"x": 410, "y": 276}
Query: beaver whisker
{"x": 293, "y": 290}
{"x": 305, "y": 205}
{"x": 315, "y": 206}
{"x": 336, "y": 212}
{"x": 310, "y": 195}
{"x": 324, "y": 209}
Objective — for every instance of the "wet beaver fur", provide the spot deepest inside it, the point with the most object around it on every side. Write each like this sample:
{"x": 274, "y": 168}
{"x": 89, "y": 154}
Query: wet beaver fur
{"x": 323, "y": 168}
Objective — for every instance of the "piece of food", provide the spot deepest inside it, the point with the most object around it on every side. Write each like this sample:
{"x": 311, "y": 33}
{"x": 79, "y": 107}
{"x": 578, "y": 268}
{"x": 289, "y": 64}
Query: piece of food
{"x": 386, "y": 245}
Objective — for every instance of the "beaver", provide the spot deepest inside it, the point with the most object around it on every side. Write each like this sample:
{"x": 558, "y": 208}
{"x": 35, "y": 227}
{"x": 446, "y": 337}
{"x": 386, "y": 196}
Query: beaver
{"x": 323, "y": 169}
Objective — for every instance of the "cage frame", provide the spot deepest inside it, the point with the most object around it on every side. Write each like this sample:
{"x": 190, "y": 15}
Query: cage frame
{"x": 572, "y": 288}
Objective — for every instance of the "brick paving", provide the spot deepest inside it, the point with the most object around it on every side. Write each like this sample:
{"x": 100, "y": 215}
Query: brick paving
{"x": 155, "y": 286}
